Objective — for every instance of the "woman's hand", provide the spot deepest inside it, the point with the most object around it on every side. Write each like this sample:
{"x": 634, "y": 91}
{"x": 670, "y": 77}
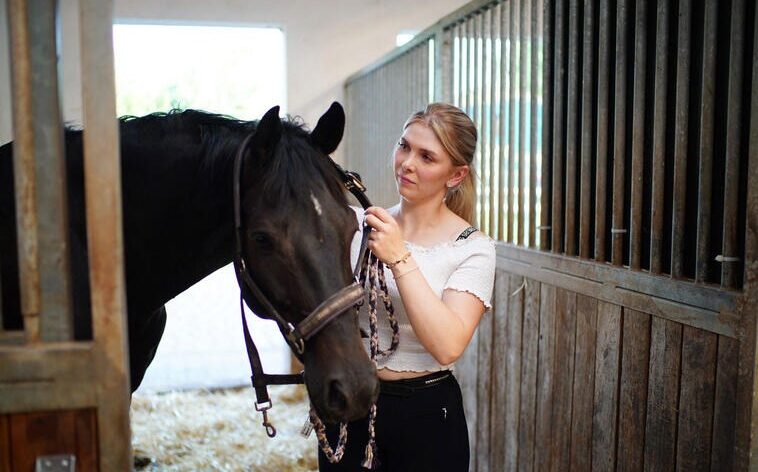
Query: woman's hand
{"x": 386, "y": 239}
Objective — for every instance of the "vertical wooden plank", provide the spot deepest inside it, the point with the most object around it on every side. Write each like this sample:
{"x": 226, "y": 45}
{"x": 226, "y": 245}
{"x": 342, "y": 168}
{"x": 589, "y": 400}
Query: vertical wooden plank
{"x": 24, "y": 167}
{"x": 603, "y": 112}
{"x": 559, "y": 124}
{"x": 658, "y": 163}
{"x": 693, "y": 448}
{"x": 618, "y": 230}
{"x": 747, "y": 404}
{"x": 572, "y": 125}
{"x": 5, "y": 444}
{"x": 515, "y": 293}
{"x": 638, "y": 134}
{"x": 501, "y": 372}
{"x": 707, "y": 115}
{"x": 724, "y": 415}
{"x": 545, "y": 361}
{"x": 633, "y": 392}
{"x": 487, "y": 375}
{"x": 663, "y": 395}
{"x": 485, "y": 137}
{"x": 467, "y": 373}
{"x": 563, "y": 374}
{"x": 102, "y": 177}
{"x": 584, "y": 383}
{"x": 547, "y": 126}
{"x": 681, "y": 135}
{"x": 730, "y": 267}
{"x": 605, "y": 415}
{"x": 85, "y": 423}
{"x": 529, "y": 379}
{"x": 588, "y": 73}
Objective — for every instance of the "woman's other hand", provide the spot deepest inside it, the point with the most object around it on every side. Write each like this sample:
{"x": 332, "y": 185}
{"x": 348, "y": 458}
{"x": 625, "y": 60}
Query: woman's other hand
{"x": 386, "y": 239}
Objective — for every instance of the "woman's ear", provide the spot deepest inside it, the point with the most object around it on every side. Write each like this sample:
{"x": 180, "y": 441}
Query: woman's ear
{"x": 458, "y": 175}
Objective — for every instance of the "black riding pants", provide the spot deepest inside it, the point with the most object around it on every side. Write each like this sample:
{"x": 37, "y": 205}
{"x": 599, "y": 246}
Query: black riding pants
{"x": 419, "y": 427}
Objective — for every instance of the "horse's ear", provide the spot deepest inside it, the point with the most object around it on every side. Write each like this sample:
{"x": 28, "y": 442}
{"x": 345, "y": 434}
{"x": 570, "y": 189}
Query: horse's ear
{"x": 329, "y": 129}
{"x": 266, "y": 137}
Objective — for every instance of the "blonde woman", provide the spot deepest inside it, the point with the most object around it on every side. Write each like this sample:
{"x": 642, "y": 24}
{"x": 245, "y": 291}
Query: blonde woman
{"x": 440, "y": 279}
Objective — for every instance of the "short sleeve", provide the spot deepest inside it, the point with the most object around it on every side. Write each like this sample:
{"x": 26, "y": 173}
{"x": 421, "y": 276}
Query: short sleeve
{"x": 476, "y": 273}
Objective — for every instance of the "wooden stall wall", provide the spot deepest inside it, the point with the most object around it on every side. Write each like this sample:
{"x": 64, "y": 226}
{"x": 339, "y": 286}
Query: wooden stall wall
{"x": 617, "y": 171}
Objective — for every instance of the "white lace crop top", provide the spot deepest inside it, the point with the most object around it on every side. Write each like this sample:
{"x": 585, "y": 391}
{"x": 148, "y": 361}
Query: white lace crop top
{"x": 467, "y": 265}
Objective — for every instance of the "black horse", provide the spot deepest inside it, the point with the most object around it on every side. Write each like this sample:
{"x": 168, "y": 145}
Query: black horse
{"x": 178, "y": 220}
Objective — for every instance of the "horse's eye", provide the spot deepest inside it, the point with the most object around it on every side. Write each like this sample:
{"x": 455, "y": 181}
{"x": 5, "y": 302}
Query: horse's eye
{"x": 262, "y": 241}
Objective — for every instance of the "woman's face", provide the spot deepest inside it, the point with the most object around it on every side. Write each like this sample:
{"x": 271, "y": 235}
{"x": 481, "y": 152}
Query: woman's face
{"x": 423, "y": 169}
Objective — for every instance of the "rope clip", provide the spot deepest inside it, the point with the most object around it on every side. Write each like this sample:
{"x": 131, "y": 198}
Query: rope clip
{"x": 263, "y": 408}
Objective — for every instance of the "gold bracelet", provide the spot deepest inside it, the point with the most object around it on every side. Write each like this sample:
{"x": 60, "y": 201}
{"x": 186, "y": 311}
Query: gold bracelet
{"x": 406, "y": 272}
{"x": 405, "y": 257}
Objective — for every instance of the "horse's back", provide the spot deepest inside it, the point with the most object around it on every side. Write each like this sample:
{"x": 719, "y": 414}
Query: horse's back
{"x": 9, "y": 270}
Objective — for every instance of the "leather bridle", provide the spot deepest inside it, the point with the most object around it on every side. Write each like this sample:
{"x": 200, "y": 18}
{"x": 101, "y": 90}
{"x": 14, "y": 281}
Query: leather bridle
{"x": 321, "y": 316}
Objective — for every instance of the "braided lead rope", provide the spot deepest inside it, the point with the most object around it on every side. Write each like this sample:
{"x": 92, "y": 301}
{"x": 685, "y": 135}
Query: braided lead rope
{"x": 371, "y": 277}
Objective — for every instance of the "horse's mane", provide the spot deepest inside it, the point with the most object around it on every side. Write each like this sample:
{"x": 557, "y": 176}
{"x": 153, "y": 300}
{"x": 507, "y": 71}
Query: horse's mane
{"x": 295, "y": 170}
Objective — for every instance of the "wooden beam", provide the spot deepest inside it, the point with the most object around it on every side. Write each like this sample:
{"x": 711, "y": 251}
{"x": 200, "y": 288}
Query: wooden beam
{"x": 700, "y": 306}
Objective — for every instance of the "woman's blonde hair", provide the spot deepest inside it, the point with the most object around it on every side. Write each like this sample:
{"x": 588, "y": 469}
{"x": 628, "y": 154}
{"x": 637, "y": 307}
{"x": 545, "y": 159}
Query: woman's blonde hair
{"x": 457, "y": 134}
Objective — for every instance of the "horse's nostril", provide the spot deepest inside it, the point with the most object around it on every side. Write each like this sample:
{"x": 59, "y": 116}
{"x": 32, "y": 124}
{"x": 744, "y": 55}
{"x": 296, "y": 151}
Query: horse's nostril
{"x": 337, "y": 398}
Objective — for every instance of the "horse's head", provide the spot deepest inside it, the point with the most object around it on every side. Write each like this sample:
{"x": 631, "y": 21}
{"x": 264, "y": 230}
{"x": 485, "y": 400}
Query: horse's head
{"x": 296, "y": 229}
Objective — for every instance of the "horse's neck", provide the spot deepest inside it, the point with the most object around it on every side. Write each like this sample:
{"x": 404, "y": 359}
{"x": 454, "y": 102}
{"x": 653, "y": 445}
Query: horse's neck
{"x": 178, "y": 221}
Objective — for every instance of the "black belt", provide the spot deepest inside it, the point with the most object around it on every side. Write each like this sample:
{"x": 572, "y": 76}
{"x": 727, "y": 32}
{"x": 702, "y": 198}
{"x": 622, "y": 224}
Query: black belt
{"x": 407, "y": 387}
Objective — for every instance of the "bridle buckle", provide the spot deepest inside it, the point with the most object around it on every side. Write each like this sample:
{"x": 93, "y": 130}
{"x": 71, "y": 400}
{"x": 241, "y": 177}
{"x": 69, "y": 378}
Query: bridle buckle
{"x": 354, "y": 181}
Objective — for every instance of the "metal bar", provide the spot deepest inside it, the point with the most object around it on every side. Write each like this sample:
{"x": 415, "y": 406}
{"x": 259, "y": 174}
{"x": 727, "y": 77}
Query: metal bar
{"x": 514, "y": 169}
{"x": 705, "y": 179}
{"x": 505, "y": 124}
{"x": 104, "y": 232}
{"x": 619, "y": 140}
{"x": 443, "y": 66}
{"x": 659, "y": 136}
{"x": 585, "y": 189}
{"x": 681, "y": 135}
{"x": 638, "y": 134}
{"x": 603, "y": 112}
{"x": 571, "y": 127}
{"x": 495, "y": 119}
{"x": 534, "y": 101}
{"x": 478, "y": 81}
{"x": 729, "y": 270}
{"x": 485, "y": 169}
{"x": 559, "y": 123}
{"x": 24, "y": 168}
{"x": 461, "y": 14}
{"x": 545, "y": 237}
{"x": 524, "y": 70}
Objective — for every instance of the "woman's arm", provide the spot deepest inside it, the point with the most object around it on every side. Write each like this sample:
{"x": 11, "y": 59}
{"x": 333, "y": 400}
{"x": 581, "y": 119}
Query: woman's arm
{"x": 443, "y": 326}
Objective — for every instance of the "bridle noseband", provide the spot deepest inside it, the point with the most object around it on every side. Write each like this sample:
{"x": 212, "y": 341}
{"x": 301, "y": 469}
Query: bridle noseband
{"x": 321, "y": 316}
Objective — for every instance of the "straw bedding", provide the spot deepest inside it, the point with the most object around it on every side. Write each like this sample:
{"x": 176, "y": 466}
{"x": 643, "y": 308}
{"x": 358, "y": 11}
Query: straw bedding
{"x": 203, "y": 430}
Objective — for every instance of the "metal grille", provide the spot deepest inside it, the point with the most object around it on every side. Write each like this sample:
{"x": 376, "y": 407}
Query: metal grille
{"x": 643, "y": 162}
{"x": 649, "y": 136}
